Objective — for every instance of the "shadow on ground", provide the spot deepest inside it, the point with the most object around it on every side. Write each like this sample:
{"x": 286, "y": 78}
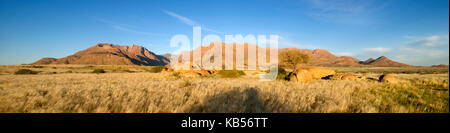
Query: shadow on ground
{"x": 240, "y": 101}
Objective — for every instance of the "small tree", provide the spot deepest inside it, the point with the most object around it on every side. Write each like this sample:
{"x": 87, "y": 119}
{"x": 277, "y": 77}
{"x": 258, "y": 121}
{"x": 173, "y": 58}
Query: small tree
{"x": 156, "y": 69}
{"x": 25, "y": 71}
{"x": 291, "y": 59}
{"x": 99, "y": 71}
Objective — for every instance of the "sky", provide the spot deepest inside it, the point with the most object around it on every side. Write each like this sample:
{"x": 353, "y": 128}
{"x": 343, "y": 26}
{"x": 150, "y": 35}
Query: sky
{"x": 415, "y": 32}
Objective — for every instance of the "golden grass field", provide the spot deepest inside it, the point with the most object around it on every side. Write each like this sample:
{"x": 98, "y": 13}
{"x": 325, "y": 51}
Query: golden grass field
{"x": 131, "y": 89}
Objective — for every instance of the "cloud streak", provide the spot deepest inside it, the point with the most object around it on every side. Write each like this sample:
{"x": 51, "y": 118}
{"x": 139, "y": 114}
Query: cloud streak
{"x": 345, "y": 54}
{"x": 378, "y": 50}
{"x": 428, "y": 50}
{"x": 346, "y": 11}
{"x": 181, "y": 18}
{"x": 127, "y": 28}
{"x": 189, "y": 21}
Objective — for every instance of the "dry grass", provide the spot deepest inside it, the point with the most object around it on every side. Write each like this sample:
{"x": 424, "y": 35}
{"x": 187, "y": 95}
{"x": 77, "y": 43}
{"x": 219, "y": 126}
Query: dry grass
{"x": 398, "y": 70}
{"x": 163, "y": 92}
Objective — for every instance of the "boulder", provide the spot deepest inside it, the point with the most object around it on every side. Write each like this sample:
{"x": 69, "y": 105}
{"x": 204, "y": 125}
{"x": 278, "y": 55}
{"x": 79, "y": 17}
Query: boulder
{"x": 306, "y": 74}
{"x": 203, "y": 72}
{"x": 214, "y": 71}
{"x": 319, "y": 73}
{"x": 292, "y": 77}
{"x": 193, "y": 73}
{"x": 349, "y": 77}
{"x": 167, "y": 69}
{"x": 388, "y": 78}
{"x": 190, "y": 74}
{"x": 302, "y": 75}
{"x": 343, "y": 76}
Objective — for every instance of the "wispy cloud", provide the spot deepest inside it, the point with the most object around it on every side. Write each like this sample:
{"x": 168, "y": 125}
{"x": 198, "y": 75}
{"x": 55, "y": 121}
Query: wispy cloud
{"x": 127, "y": 28}
{"x": 189, "y": 21}
{"x": 121, "y": 28}
{"x": 378, "y": 50}
{"x": 345, "y": 54}
{"x": 427, "y": 50}
{"x": 431, "y": 46}
{"x": 181, "y": 18}
{"x": 430, "y": 41}
{"x": 347, "y": 11}
{"x": 283, "y": 42}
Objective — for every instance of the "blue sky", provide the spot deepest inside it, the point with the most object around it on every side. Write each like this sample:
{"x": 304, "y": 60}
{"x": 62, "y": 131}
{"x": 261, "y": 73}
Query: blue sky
{"x": 409, "y": 31}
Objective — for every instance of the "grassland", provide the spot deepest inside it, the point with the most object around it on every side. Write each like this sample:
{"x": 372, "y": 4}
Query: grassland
{"x": 132, "y": 89}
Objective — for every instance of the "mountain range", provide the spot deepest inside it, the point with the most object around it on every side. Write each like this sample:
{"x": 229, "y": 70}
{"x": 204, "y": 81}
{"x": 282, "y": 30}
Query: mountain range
{"x": 110, "y": 54}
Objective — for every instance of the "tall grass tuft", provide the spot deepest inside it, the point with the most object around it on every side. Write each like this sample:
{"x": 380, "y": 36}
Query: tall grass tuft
{"x": 98, "y": 71}
{"x": 156, "y": 69}
{"x": 25, "y": 71}
{"x": 231, "y": 73}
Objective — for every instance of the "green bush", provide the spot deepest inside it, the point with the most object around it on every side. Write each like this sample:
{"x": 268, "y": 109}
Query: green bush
{"x": 98, "y": 71}
{"x": 231, "y": 73}
{"x": 282, "y": 73}
{"x": 156, "y": 69}
{"x": 291, "y": 59}
{"x": 128, "y": 71}
{"x": 88, "y": 67}
{"x": 37, "y": 66}
{"x": 176, "y": 75}
{"x": 25, "y": 71}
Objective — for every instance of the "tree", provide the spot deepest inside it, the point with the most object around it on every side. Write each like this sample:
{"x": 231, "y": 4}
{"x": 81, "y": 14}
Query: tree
{"x": 291, "y": 59}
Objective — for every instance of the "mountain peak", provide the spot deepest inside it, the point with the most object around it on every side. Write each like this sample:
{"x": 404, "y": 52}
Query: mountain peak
{"x": 321, "y": 50}
{"x": 102, "y": 44}
{"x": 109, "y": 54}
{"x": 382, "y": 57}
{"x": 383, "y": 61}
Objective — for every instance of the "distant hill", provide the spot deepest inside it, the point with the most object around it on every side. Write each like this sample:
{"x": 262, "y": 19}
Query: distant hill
{"x": 383, "y": 62}
{"x": 109, "y": 54}
{"x": 45, "y": 61}
{"x": 440, "y": 65}
{"x": 322, "y": 57}
{"x": 318, "y": 57}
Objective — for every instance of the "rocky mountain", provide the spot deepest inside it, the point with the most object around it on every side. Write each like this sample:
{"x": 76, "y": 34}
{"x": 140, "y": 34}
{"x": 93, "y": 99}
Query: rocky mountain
{"x": 440, "y": 65}
{"x": 109, "y": 54}
{"x": 318, "y": 57}
{"x": 322, "y": 57}
{"x": 383, "y": 62}
{"x": 368, "y": 61}
{"x": 46, "y": 61}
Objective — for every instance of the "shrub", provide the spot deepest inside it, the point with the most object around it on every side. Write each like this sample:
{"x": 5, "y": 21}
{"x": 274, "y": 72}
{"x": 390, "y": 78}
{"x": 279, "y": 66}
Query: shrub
{"x": 25, "y": 71}
{"x": 156, "y": 69}
{"x": 98, "y": 71}
{"x": 231, "y": 73}
{"x": 37, "y": 66}
{"x": 88, "y": 67}
{"x": 176, "y": 75}
{"x": 291, "y": 59}
{"x": 128, "y": 71}
{"x": 282, "y": 73}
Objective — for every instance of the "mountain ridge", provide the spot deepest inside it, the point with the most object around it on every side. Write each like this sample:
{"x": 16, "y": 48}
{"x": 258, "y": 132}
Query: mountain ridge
{"x": 110, "y": 54}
